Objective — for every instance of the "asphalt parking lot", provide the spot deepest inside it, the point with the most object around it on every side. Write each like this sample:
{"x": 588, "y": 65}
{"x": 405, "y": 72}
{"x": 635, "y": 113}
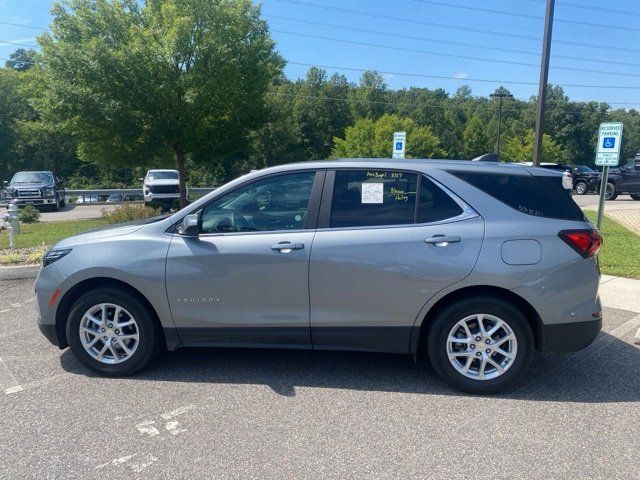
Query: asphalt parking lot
{"x": 271, "y": 414}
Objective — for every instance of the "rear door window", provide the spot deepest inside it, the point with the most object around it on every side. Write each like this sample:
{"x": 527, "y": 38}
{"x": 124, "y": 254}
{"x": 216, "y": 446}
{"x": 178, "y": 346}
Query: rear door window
{"x": 364, "y": 198}
{"x": 373, "y": 197}
{"x": 533, "y": 195}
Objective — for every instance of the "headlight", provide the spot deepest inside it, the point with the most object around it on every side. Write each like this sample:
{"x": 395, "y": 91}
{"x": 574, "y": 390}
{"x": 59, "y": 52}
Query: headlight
{"x": 48, "y": 192}
{"x": 9, "y": 192}
{"x": 54, "y": 255}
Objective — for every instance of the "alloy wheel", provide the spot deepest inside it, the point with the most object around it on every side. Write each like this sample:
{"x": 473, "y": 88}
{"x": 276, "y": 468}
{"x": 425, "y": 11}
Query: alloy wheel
{"x": 109, "y": 333}
{"x": 482, "y": 346}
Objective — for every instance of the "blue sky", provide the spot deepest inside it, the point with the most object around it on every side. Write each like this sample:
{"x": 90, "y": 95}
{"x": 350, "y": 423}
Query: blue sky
{"x": 395, "y": 30}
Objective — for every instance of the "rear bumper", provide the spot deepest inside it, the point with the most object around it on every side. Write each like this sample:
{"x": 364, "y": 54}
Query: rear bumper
{"x": 570, "y": 337}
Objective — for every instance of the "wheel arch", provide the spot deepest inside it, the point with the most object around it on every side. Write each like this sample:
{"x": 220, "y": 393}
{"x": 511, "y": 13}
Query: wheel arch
{"x": 70, "y": 297}
{"x": 421, "y": 332}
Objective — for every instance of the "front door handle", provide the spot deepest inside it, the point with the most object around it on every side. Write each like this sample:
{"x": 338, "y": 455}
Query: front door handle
{"x": 442, "y": 240}
{"x": 287, "y": 247}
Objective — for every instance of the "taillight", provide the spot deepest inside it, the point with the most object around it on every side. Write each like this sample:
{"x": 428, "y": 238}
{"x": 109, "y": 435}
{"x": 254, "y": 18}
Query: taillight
{"x": 585, "y": 242}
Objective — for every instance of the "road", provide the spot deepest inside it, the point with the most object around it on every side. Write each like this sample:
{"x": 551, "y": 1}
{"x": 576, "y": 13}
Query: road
{"x": 76, "y": 212}
{"x": 271, "y": 414}
{"x": 623, "y": 201}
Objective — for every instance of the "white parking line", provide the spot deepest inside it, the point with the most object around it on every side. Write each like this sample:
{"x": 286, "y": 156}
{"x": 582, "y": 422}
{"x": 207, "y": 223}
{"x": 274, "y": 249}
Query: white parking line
{"x": 8, "y": 382}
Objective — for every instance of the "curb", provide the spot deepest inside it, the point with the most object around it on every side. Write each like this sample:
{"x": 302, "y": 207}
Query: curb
{"x": 19, "y": 272}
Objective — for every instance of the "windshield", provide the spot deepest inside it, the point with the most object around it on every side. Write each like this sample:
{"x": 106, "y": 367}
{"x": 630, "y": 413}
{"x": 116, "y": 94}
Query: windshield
{"x": 32, "y": 177}
{"x": 162, "y": 176}
{"x": 584, "y": 169}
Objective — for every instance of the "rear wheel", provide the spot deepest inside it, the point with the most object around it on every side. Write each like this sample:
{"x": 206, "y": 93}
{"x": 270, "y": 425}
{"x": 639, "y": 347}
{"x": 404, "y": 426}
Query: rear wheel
{"x": 581, "y": 188}
{"x": 481, "y": 345}
{"x": 112, "y": 332}
{"x": 610, "y": 192}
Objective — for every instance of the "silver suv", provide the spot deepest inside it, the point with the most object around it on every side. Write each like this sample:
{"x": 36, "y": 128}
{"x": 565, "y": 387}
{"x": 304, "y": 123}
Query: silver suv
{"x": 476, "y": 264}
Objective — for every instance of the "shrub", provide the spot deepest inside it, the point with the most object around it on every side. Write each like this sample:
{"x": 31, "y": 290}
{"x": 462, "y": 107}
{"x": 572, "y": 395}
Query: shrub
{"x": 130, "y": 211}
{"x": 29, "y": 214}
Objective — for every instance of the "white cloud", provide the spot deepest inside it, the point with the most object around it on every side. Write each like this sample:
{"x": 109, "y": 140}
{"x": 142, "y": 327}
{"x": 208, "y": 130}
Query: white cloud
{"x": 460, "y": 75}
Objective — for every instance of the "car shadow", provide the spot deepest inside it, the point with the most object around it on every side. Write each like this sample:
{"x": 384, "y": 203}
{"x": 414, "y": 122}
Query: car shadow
{"x": 608, "y": 371}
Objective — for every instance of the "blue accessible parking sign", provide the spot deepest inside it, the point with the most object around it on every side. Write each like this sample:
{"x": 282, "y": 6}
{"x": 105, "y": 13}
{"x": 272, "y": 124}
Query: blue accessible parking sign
{"x": 609, "y": 142}
{"x": 399, "y": 146}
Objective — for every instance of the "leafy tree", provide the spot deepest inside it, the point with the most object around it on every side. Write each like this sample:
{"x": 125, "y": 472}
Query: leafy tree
{"x": 476, "y": 141}
{"x": 137, "y": 84}
{"x": 369, "y": 99}
{"x": 373, "y": 138}
{"x": 520, "y": 149}
{"x": 21, "y": 60}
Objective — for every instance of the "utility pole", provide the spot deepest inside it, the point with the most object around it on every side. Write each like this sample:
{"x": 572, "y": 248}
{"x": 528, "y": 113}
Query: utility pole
{"x": 501, "y": 96}
{"x": 544, "y": 77}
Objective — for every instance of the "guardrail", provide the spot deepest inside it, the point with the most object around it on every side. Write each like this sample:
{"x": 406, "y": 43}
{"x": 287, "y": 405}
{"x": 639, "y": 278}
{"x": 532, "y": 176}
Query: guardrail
{"x": 101, "y": 195}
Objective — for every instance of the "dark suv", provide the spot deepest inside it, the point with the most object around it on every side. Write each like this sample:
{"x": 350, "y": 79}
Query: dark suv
{"x": 35, "y": 188}
{"x": 585, "y": 179}
{"x": 624, "y": 181}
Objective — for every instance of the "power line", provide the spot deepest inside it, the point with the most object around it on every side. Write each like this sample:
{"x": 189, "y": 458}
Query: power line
{"x": 597, "y": 9}
{"x": 525, "y": 15}
{"x": 23, "y": 26}
{"x": 452, "y": 27}
{"x": 17, "y": 44}
{"x": 467, "y": 79}
{"x": 466, "y": 57}
{"x": 446, "y": 42}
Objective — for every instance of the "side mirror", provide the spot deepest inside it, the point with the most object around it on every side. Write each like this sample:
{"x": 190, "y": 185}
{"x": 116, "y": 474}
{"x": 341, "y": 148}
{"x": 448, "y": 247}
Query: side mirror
{"x": 141, "y": 179}
{"x": 5, "y": 183}
{"x": 189, "y": 226}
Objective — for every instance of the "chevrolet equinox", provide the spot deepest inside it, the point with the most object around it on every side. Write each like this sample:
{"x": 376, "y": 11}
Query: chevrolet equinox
{"x": 477, "y": 264}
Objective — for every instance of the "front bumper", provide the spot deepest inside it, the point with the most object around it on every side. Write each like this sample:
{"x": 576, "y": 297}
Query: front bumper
{"x": 31, "y": 201}
{"x": 50, "y": 333}
{"x": 570, "y": 337}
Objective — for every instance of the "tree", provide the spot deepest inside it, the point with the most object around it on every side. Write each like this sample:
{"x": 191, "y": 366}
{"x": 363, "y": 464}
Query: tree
{"x": 476, "y": 141}
{"x": 373, "y": 138}
{"x": 21, "y": 60}
{"x": 368, "y": 100}
{"x": 138, "y": 84}
{"x": 520, "y": 149}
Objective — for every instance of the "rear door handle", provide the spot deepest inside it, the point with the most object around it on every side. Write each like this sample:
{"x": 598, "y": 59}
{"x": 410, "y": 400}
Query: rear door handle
{"x": 443, "y": 240}
{"x": 287, "y": 247}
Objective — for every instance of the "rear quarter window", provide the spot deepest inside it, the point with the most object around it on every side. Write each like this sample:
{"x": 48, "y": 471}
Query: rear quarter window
{"x": 532, "y": 195}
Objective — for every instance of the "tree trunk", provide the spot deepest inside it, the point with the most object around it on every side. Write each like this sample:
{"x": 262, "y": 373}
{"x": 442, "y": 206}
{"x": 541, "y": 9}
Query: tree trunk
{"x": 179, "y": 153}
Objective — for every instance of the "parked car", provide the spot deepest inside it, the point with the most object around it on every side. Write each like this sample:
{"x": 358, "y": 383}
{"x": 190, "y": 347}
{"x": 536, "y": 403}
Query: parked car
{"x": 121, "y": 197}
{"x": 585, "y": 179}
{"x": 161, "y": 187}
{"x": 624, "y": 181}
{"x": 477, "y": 263}
{"x": 41, "y": 188}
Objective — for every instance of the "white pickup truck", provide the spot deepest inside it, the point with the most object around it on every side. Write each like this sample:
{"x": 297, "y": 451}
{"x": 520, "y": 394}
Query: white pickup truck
{"x": 161, "y": 187}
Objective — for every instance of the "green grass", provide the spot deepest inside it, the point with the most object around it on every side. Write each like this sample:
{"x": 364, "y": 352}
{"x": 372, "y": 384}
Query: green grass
{"x": 48, "y": 233}
{"x": 620, "y": 253}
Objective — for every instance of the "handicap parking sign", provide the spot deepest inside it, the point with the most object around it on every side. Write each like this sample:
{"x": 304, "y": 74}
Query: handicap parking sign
{"x": 399, "y": 146}
{"x": 609, "y": 142}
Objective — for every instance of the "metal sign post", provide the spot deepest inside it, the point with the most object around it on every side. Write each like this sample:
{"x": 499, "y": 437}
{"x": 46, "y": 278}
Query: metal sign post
{"x": 607, "y": 155}
{"x": 399, "y": 144}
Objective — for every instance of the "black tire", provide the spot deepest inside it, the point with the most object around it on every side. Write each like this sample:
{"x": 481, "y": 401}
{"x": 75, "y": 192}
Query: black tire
{"x": 611, "y": 192}
{"x": 149, "y": 332}
{"x": 447, "y": 319}
{"x": 635, "y": 197}
{"x": 582, "y": 188}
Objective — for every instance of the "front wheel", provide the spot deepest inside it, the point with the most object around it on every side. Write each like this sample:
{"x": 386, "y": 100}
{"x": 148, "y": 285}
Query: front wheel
{"x": 610, "y": 192}
{"x": 581, "y": 188}
{"x": 635, "y": 197}
{"x": 112, "y": 332}
{"x": 481, "y": 345}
